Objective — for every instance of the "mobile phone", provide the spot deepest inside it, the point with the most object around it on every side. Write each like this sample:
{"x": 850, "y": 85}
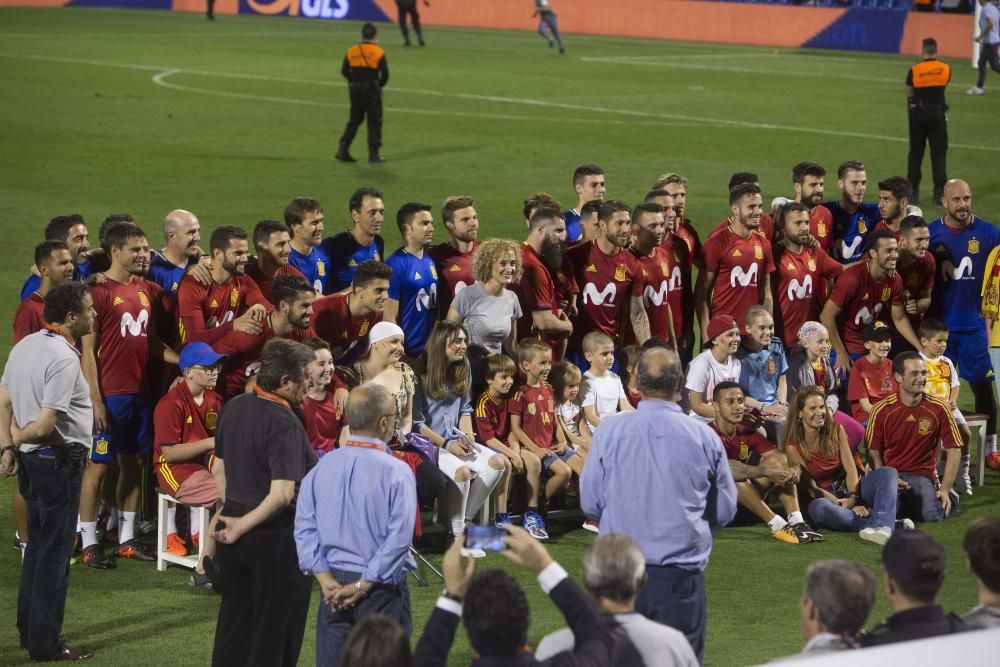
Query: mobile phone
{"x": 487, "y": 538}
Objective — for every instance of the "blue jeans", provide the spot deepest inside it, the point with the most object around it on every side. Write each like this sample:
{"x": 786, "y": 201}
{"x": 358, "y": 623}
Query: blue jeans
{"x": 51, "y": 485}
{"x": 676, "y": 597}
{"x": 988, "y": 55}
{"x": 548, "y": 23}
{"x": 332, "y": 627}
{"x": 920, "y": 501}
{"x": 878, "y": 491}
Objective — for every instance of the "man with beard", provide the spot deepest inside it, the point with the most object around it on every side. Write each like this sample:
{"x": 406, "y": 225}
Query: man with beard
{"x": 345, "y": 318}
{"x": 676, "y": 187}
{"x": 272, "y": 239}
{"x": 362, "y": 242}
{"x": 304, "y": 217}
{"x": 917, "y": 268}
{"x": 71, "y": 230}
{"x": 610, "y": 282}
{"x": 541, "y": 254}
{"x": 454, "y": 257}
{"x": 803, "y": 273}
{"x": 961, "y": 243}
{"x": 853, "y": 219}
{"x": 681, "y": 294}
{"x": 182, "y": 233}
{"x": 589, "y": 184}
{"x": 862, "y": 292}
{"x": 231, "y": 301}
{"x": 737, "y": 262}
{"x": 808, "y": 181}
{"x": 766, "y": 226}
{"x": 656, "y": 267}
{"x": 115, "y": 362}
{"x": 55, "y": 266}
{"x": 567, "y": 291}
{"x": 413, "y": 287}
{"x": 894, "y": 196}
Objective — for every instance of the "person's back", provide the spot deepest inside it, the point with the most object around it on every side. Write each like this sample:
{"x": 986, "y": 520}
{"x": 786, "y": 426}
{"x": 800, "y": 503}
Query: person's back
{"x": 982, "y": 551}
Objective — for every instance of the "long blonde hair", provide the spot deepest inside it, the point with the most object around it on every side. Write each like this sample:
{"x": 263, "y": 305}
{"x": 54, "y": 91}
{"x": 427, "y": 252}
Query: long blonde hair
{"x": 795, "y": 432}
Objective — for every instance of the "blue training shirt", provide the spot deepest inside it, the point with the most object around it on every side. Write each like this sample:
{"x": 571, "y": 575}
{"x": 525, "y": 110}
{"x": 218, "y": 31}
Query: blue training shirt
{"x": 851, "y": 229}
{"x": 165, "y": 273}
{"x": 31, "y": 284}
{"x": 345, "y": 255}
{"x": 961, "y": 256}
{"x": 414, "y": 284}
{"x": 573, "y": 229}
{"x": 315, "y": 267}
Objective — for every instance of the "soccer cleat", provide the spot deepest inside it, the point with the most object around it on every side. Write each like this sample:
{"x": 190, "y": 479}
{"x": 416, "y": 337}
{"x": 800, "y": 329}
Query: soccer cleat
{"x": 94, "y": 556}
{"x": 806, "y": 533}
{"x": 785, "y": 534}
{"x": 133, "y": 550}
{"x": 175, "y": 545}
{"x": 993, "y": 461}
{"x": 535, "y": 525}
{"x": 502, "y": 519}
{"x": 877, "y": 536}
{"x": 592, "y": 526}
{"x": 975, "y": 90}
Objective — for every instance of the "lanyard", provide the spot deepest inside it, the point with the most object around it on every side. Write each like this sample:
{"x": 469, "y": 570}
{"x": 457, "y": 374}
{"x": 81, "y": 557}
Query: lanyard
{"x": 364, "y": 445}
{"x": 55, "y": 328}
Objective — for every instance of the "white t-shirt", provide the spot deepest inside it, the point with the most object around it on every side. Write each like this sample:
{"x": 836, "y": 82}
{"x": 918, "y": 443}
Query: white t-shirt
{"x": 992, "y": 13}
{"x": 604, "y": 393}
{"x": 704, "y": 373}
{"x": 569, "y": 412}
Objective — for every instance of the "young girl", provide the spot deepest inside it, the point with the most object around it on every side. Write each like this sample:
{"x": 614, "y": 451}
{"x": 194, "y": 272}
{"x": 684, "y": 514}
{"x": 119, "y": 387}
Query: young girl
{"x": 323, "y": 413}
{"x": 566, "y": 379}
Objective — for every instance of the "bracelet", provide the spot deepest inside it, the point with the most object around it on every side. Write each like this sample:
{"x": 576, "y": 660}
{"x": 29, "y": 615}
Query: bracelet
{"x": 359, "y": 588}
{"x": 450, "y": 596}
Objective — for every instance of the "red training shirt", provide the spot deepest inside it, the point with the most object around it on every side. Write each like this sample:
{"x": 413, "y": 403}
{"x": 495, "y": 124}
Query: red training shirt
{"x": 178, "y": 419}
{"x": 607, "y": 284}
{"x": 454, "y": 270}
{"x": 264, "y": 284}
{"x": 908, "y": 437}
{"x": 871, "y": 381}
{"x": 740, "y": 265}
{"x": 799, "y": 287}
{"x": 536, "y": 406}
{"x": 207, "y": 311}
{"x": 491, "y": 419}
{"x": 323, "y": 423}
{"x": 661, "y": 284}
{"x": 536, "y": 291}
{"x": 29, "y": 316}
{"x": 742, "y": 442}
{"x": 124, "y": 314}
{"x": 821, "y": 227}
{"x": 332, "y": 321}
{"x": 862, "y": 299}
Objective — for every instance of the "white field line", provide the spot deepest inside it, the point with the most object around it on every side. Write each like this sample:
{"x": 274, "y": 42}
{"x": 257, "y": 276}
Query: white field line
{"x": 632, "y": 113}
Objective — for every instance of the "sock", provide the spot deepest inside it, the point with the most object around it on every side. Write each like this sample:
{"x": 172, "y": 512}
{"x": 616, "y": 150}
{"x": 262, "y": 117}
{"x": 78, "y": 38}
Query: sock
{"x": 795, "y": 517}
{"x": 776, "y": 523}
{"x": 991, "y": 443}
{"x": 171, "y": 520}
{"x": 126, "y": 526}
{"x": 195, "y": 520}
{"x": 88, "y": 533}
{"x": 114, "y": 519}
{"x": 480, "y": 490}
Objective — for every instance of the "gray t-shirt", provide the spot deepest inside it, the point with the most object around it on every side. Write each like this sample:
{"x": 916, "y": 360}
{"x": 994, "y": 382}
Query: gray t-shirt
{"x": 487, "y": 318}
{"x": 43, "y": 371}
{"x": 659, "y": 645}
{"x": 983, "y": 617}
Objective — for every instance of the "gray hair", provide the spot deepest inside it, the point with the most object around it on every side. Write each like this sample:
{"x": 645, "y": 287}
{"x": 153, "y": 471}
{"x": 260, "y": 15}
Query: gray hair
{"x": 366, "y": 405}
{"x": 613, "y": 568}
{"x": 659, "y": 373}
{"x": 843, "y": 593}
{"x": 283, "y": 359}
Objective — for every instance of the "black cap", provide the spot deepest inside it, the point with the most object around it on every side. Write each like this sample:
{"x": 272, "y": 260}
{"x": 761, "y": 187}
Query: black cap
{"x": 877, "y": 331}
{"x": 914, "y": 560}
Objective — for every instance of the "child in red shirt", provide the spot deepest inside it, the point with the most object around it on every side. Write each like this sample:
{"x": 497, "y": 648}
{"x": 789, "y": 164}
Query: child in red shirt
{"x": 871, "y": 376}
{"x": 323, "y": 405}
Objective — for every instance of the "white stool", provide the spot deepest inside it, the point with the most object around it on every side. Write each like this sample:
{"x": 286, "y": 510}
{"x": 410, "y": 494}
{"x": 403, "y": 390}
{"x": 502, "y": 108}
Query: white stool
{"x": 978, "y": 421}
{"x": 162, "y": 555}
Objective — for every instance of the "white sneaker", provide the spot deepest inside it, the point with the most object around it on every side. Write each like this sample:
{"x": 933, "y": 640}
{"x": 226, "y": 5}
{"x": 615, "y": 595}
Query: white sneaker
{"x": 963, "y": 483}
{"x": 975, "y": 90}
{"x": 875, "y": 535}
{"x": 473, "y": 553}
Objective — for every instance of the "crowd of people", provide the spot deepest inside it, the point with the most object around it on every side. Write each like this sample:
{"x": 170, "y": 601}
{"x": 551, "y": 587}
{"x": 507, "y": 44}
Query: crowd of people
{"x": 823, "y": 396}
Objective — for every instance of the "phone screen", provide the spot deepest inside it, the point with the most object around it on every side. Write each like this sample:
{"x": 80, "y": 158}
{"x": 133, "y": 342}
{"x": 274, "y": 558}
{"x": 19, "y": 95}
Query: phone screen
{"x": 487, "y": 538}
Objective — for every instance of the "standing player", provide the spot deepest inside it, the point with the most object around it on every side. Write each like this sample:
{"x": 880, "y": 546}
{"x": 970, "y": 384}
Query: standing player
{"x": 232, "y": 301}
{"x": 802, "y": 274}
{"x": 344, "y": 319}
{"x": 676, "y": 186}
{"x": 548, "y": 26}
{"x": 737, "y": 262}
{"x": 409, "y": 8}
{"x": 808, "y": 182}
{"x": 114, "y": 361}
{"x": 453, "y": 258}
{"x": 589, "y": 185}
{"x": 917, "y": 268}
{"x": 656, "y": 268}
{"x": 766, "y": 226}
{"x": 413, "y": 287}
{"x": 961, "y": 243}
{"x": 681, "y": 294}
{"x": 304, "y": 217}
{"x": 925, "y": 84}
{"x": 853, "y": 219}
{"x": 610, "y": 283}
{"x": 347, "y": 250}
{"x": 541, "y": 256}
{"x": 71, "y": 230}
{"x": 567, "y": 291}
{"x": 894, "y": 195}
{"x": 55, "y": 266}
{"x": 182, "y": 234}
{"x": 271, "y": 239}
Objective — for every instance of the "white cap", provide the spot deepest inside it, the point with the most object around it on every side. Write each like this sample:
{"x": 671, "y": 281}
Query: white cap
{"x": 384, "y": 330}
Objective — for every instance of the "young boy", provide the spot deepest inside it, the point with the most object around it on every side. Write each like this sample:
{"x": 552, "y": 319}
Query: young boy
{"x": 605, "y": 394}
{"x": 763, "y": 367}
{"x": 871, "y": 376}
{"x": 493, "y": 430}
{"x": 533, "y": 423}
{"x": 942, "y": 381}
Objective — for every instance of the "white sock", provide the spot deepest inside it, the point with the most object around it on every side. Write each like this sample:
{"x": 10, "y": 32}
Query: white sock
{"x": 991, "y": 443}
{"x": 776, "y": 523}
{"x": 126, "y": 526}
{"x": 481, "y": 488}
{"x": 171, "y": 520}
{"x": 195, "y": 520}
{"x": 795, "y": 517}
{"x": 113, "y": 519}
{"x": 88, "y": 533}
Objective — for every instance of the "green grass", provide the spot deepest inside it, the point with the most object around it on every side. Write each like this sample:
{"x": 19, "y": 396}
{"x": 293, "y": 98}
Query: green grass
{"x": 252, "y": 118}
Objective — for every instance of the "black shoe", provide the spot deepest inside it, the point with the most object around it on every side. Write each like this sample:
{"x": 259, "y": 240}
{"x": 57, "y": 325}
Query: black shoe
{"x": 64, "y": 653}
{"x": 213, "y": 573}
{"x": 94, "y": 556}
{"x": 134, "y": 551}
{"x": 375, "y": 159}
{"x": 344, "y": 156}
{"x": 407, "y": 43}
{"x": 806, "y": 533}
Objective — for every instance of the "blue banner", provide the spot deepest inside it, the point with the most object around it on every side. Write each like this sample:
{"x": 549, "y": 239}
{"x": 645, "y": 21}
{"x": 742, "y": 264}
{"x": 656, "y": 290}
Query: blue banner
{"x": 335, "y": 10}
{"x": 863, "y": 30}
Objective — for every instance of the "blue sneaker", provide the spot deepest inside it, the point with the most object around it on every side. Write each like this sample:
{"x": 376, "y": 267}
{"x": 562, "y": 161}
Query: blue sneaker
{"x": 535, "y": 525}
{"x": 502, "y": 519}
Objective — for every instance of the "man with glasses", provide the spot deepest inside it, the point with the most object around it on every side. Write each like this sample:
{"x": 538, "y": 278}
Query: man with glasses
{"x": 354, "y": 524}
{"x": 184, "y": 439}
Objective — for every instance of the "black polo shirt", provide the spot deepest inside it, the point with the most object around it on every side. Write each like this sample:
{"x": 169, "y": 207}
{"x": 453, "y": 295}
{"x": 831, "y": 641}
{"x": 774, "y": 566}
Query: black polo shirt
{"x": 260, "y": 439}
{"x": 916, "y": 623}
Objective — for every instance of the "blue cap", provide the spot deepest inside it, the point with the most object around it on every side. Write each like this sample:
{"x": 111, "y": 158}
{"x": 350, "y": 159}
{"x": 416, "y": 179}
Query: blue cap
{"x": 198, "y": 354}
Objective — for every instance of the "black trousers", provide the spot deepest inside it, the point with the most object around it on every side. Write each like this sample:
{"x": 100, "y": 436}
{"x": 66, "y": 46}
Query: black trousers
{"x": 265, "y": 600}
{"x": 928, "y": 125}
{"x": 366, "y": 101}
{"x": 51, "y": 485}
{"x": 408, "y": 8}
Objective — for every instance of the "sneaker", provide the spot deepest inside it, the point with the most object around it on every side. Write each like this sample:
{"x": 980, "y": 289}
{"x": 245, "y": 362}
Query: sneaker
{"x": 592, "y": 526}
{"x": 94, "y": 556}
{"x": 18, "y": 544}
{"x": 963, "y": 483}
{"x": 975, "y": 90}
{"x": 806, "y": 533}
{"x": 877, "y": 536}
{"x": 473, "y": 553}
{"x": 175, "y": 545}
{"x": 502, "y": 519}
{"x": 535, "y": 525}
{"x": 785, "y": 534}
{"x": 135, "y": 551}
{"x": 905, "y": 524}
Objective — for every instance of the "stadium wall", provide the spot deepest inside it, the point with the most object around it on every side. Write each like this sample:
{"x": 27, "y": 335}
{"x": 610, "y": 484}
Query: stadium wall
{"x": 851, "y": 29}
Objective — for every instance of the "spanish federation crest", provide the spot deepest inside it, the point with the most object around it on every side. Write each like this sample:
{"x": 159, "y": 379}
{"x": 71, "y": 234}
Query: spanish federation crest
{"x": 811, "y": 264}
{"x": 234, "y": 297}
{"x": 744, "y": 450}
{"x": 143, "y": 299}
{"x": 886, "y": 293}
{"x": 532, "y": 409}
{"x": 211, "y": 419}
{"x": 758, "y": 252}
{"x": 821, "y": 230}
{"x": 619, "y": 273}
{"x": 924, "y": 426}
{"x": 321, "y": 268}
{"x": 973, "y": 247}
{"x": 363, "y": 331}
{"x": 772, "y": 368}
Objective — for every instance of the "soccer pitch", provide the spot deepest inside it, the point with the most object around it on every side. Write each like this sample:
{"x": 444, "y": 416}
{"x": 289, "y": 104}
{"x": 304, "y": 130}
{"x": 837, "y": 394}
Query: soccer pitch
{"x": 112, "y": 111}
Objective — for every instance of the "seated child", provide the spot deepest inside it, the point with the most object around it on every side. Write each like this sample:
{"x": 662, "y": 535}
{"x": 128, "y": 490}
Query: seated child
{"x": 871, "y": 377}
{"x": 566, "y": 379}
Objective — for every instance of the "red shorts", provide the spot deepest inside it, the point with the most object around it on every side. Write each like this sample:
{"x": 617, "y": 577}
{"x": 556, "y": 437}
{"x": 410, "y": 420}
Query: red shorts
{"x": 198, "y": 489}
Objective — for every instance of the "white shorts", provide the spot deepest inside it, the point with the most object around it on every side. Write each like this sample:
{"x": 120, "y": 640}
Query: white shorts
{"x": 959, "y": 417}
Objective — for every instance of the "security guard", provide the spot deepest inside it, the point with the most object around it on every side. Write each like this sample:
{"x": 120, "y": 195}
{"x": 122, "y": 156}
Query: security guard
{"x": 367, "y": 73}
{"x": 925, "y": 84}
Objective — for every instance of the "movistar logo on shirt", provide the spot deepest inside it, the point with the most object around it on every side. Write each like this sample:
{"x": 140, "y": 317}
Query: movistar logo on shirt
{"x": 962, "y": 272}
{"x": 592, "y": 296}
{"x": 797, "y": 290}
{"x": 744, "y": 278}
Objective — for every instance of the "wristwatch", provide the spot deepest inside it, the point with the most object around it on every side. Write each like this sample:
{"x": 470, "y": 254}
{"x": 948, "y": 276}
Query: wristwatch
{"x": 450, "y": 596}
